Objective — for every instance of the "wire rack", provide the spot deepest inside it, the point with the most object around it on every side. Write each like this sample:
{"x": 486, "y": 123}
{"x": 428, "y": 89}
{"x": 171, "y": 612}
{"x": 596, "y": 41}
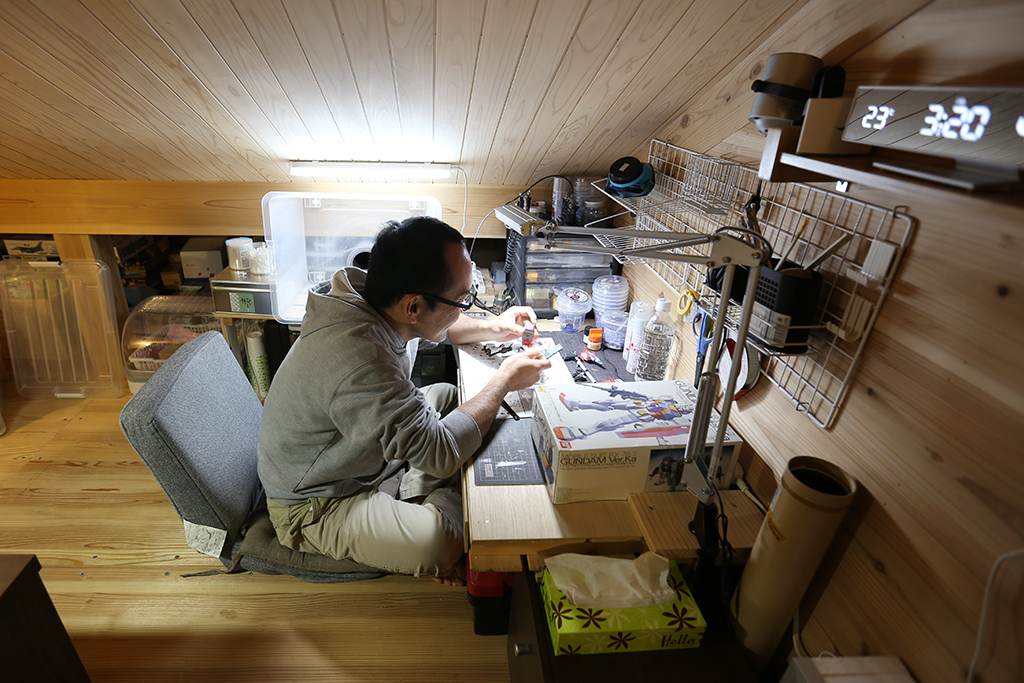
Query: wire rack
{"x": 696, "y": 193}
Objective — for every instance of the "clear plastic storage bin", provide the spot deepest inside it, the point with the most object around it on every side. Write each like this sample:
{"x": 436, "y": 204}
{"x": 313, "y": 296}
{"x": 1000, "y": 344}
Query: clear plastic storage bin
{"x": 157, "y": 327}
{"x": 588, "y": 275}
{"x": 61, "y": 329}
{"x": 542, "y": 297}
{"x": 315, "y": 234}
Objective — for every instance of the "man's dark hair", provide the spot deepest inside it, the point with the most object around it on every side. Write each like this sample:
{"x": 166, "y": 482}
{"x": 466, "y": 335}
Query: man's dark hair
{"x": 408, "y": 256}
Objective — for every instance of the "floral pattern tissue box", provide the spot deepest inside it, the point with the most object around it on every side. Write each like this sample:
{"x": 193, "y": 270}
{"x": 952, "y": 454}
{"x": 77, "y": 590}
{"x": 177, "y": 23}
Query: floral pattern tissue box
{"x": 583, "y": 631}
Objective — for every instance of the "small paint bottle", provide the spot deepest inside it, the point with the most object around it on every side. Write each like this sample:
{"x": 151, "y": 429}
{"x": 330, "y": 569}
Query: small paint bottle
{"x": 594, "y": 339}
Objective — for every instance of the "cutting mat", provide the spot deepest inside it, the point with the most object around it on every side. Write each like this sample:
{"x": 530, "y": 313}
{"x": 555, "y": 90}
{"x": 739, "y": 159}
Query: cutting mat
{"x": 507, "y": 456}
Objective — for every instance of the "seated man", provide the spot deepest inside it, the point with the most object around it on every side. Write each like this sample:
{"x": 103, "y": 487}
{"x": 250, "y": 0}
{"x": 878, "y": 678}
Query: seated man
{"x": 343, "y": 415}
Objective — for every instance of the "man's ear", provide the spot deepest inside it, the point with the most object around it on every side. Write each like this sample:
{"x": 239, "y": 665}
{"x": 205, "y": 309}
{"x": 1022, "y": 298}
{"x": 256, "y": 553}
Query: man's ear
{"x": 412, "y": 307}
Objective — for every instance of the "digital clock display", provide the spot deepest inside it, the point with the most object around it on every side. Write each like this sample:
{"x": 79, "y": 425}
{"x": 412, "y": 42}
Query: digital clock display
{"x": 981, "y": 124}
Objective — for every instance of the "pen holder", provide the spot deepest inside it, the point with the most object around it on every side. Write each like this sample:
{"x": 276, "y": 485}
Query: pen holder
{"x": 784, "y": 304}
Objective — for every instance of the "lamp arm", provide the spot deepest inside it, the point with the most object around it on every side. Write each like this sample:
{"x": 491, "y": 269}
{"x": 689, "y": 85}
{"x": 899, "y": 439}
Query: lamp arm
{"x": 698, "y": 477}
{"x": 725, "y": 248}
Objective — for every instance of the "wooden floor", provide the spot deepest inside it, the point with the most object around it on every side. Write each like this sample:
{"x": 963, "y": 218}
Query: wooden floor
{"x": 74, "y": 493}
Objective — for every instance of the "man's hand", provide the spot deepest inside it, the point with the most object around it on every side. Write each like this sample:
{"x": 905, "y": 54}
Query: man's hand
{"x": 507, "y": 326}
{"x": 515, "y": 372}
{"x": 522, "y": 370}
{"x": 511, "y": 323}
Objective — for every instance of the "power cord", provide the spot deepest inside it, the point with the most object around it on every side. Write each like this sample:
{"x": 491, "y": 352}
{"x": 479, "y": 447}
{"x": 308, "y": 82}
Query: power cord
{"x": 727, "y": 551}
{"x": 741, "y": 484}
{"x": 1019, "y": 552}
{"x": 475, "y": 234}
{"x": 978, "y": 644}
{"x": 465, "y": 200}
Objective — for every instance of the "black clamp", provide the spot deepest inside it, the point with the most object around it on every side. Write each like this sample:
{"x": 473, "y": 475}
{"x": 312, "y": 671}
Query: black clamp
{"x": 780, "y": 90}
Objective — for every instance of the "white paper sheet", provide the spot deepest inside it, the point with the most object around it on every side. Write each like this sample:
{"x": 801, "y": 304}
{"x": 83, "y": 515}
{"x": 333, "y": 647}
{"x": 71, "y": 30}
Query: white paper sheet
{"x": 476, "y": 369}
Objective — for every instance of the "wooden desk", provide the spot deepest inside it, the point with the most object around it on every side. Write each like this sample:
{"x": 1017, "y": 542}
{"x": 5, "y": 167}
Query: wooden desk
{"x": 504, "y": 523}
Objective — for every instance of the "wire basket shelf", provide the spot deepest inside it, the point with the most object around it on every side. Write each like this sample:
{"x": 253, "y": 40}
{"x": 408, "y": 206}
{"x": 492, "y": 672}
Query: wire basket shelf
{"x": 696, "y": 193}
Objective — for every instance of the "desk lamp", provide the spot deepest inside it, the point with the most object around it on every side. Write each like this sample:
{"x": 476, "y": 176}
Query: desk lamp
{"x": 728, "y": 251}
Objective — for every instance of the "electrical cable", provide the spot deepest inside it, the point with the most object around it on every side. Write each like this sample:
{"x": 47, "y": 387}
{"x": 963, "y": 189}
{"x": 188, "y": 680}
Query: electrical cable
{"x": 798, "y": 646}
{"x": 978, "y": 644}
{"x": 727, "y": 551}
{"x": 1019, "y": 552}
{"x": 465, "y": 199}
{"x": 473, "y": 241}
{"x": 742, "y": 486}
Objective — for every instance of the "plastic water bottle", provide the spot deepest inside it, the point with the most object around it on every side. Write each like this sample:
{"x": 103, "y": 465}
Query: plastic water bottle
{"x": 656, "y": 343}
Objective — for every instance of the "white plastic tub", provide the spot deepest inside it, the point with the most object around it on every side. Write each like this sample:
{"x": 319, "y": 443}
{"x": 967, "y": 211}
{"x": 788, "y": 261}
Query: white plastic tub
{"x": 313, "y": 234}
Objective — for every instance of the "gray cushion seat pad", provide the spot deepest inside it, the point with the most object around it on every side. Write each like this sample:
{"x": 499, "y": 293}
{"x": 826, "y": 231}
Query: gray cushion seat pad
{"x": 195, "y": 423}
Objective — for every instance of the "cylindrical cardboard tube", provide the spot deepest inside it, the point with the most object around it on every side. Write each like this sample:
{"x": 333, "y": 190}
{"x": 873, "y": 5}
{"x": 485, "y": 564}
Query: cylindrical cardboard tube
{"x": 805, "y": 513}
{"x": 258, "y": 364}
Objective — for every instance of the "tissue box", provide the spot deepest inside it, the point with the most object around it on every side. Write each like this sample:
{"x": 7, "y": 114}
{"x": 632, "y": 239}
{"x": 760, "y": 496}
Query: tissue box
{"x": 586, "y": 631}
{"x": 606, "y": 441}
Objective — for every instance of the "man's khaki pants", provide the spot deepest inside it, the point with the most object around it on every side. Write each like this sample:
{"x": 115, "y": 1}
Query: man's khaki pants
{"x": 375, "y": 529}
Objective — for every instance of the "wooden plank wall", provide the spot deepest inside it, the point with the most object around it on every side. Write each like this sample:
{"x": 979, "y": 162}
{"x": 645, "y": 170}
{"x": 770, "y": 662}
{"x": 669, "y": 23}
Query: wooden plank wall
{"x": 933, "y": 426}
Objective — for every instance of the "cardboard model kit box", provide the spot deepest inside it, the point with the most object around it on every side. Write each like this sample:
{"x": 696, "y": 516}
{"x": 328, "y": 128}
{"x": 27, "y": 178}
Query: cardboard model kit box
{"x": 583, "y": 631}
{"x": 31, "y": 246}
{"x": 202, "y": 257}
{"x": 605, "y": 441}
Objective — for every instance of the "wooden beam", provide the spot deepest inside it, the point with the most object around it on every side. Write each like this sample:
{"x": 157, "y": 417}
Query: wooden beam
{"x": 96, "y": 248}
{"x": 101, "y": 207}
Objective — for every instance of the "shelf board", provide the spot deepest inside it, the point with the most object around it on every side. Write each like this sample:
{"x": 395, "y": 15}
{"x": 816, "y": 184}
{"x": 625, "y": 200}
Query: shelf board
{"x": 861, "y": 171}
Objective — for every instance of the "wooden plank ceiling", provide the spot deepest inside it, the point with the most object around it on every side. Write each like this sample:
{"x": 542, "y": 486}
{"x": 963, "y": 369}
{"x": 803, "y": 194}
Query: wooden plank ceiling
{"x": 231, "y": 90}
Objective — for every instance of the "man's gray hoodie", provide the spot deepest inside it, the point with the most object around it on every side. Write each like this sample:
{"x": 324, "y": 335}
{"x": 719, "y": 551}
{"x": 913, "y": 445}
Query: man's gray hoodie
{"x": 343, "y": 414}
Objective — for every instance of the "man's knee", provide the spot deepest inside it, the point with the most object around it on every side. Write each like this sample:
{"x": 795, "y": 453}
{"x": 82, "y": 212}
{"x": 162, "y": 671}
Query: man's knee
{"x": 444, "y": 397}
{"x": 443, "y": 545}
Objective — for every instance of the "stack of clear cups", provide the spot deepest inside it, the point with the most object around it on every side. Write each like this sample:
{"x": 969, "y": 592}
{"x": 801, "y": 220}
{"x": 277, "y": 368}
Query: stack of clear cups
{"x": 610, "y": 293}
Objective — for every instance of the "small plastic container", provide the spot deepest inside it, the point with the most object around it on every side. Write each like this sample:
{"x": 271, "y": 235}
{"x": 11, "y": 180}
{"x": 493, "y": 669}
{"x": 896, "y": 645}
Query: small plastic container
{"x": 593, "y": 212}
{"x": 239, "y": 250}
{"x": 614, "y": 325}
{"x": 572, "y": 305}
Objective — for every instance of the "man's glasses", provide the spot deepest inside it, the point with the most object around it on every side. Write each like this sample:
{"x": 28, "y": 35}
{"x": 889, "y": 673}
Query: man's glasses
{"x": 464, "y": 305}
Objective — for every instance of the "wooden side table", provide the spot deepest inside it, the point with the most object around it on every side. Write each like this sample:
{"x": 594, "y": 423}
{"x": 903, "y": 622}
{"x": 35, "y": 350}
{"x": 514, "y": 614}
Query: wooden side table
{"x": 34, "y": 645}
